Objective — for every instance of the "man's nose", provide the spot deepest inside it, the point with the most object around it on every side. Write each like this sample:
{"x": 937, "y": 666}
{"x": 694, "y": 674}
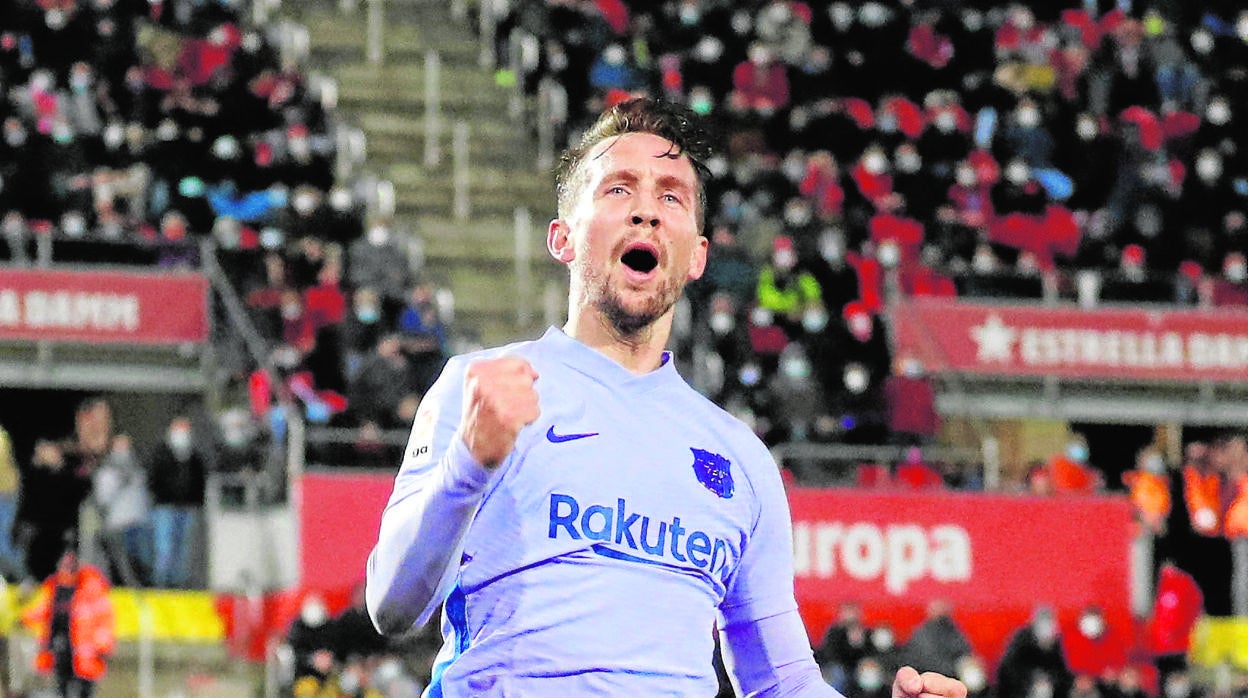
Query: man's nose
{"x": 644, "y": 215}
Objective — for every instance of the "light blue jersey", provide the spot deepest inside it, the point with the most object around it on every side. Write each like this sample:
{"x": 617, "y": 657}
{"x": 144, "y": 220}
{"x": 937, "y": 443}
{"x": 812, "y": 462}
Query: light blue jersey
{"x": 630, "y": 518}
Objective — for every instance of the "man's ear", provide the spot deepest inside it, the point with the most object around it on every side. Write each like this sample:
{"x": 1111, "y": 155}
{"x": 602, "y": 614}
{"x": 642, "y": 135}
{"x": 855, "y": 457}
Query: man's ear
{"x": 559, "y": 241}
{"x": 697, "y": 263}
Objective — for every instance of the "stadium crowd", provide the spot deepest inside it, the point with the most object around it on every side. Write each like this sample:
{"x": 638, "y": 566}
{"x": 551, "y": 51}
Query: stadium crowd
{"x": 1078, "y": 150}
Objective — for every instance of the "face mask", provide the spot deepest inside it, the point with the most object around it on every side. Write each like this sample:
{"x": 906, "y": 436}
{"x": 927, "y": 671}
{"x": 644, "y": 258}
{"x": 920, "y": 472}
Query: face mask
{"x": 1236, "y": 273}
{"x": 378, "y": 236}
{"x": 1028, "y": 118}
{"x": 367, "y": 315}
{"x": 73, "y": 225}
{"x": 870, "y": 679}
{"x": 689, "y": 15}
{"x": 1155, "y": 464}
{"x": 909, "y": 162}
{"x": 271, "y": 238}
{"x": 1091, "y": 626}
{"x": 749, "y": 375}
{"x": 796, "y": 369}
{"x": 1202, "y": 42}
{"x": 1041, "y": 689}
{"x": 874, "y": 163}
{"x": 797, "y": 216}
{"x": 912, "y": 368}
{"x": 180, "y": 441}
{"x": 1209, "y": 168}
{"x": 1016, "y": 174}
{"x": 1178, "y": 689}
{"x": 1219, "y": 113}
{"x": 304, "y": 203}
{"x": 842, "y": 15}
{"x": 882, "y": 640}
{"x": 1086, "y": 129}
{"x": 349, "y": 683}
{"x": 888, "y": 123}
{"x": 814, "y": 320}
{"x": 974, "y": 679}
{"x": 313, "y": 614}
{"x": 784, "y": 259}
{"x": 888, "y": 255}
{"x": 856, "y": 378}
{"x": 1077, "y": 452}
{"x": 721, "y": 323}
{"x": 291, "y": 312}
{"x": 965, "y": 177}
{"x": 946, "y": 122}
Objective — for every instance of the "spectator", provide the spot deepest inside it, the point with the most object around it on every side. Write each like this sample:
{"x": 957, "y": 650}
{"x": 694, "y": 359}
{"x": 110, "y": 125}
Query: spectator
{"x": 72, "y": 618}
{"x": 1069, "y": 470}
{"x": 12, "y": 564}
{"x": 378, "y": 260}
{"x": 52, "y": 493}
{"x": 1034, "y": 655}
{"x": 760, "y": 84}
{"x": 1095, "y": 649}
{"x": 176, "y": 472}
{"x": 785, "y": 291}
{"x": 121, "y": 495}
{"x": 384, "y": 379}
{"x": 938, "y": 643}
{"x": 910, "y": 401}
{"x": 311, "y": 641}
{"x": 845, "y": 643}
{"x": 423, "y": 335}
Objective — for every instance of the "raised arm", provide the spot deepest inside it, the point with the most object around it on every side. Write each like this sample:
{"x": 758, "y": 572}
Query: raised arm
{"x": 465, "y": 428}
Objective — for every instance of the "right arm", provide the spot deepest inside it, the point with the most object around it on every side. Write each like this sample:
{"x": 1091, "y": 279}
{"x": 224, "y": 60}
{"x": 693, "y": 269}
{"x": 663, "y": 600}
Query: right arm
{"x": 465, "y": 428}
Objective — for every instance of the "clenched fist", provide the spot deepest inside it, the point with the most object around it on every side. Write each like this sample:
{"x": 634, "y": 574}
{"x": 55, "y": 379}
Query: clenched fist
{"x": 499, "y": 400}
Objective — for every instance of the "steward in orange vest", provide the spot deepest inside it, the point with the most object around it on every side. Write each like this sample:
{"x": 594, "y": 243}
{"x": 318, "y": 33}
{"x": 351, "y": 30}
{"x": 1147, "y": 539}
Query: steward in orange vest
{"x": 1150, "y": 490}
{"x": 72, "y": 617}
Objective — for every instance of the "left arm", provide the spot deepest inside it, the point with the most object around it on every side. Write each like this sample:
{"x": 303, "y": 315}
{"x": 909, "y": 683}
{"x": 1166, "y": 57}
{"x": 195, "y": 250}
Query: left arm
{"x": 766, "y": 649}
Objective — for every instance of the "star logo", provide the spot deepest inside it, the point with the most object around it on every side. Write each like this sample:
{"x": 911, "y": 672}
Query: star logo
{"x": 995, "y": 339}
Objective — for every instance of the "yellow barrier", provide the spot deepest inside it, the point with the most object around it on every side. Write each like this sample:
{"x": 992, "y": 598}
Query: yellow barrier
{"x": 1221, "y": 640}
{"x": 176, "y": 616}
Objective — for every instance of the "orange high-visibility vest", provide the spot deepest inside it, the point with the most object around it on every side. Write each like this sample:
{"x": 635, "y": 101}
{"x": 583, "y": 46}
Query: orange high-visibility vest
{"x": 1204, "y": 501}
{"x": 1150, "y": 493}
{"x": 1237, "y": 514}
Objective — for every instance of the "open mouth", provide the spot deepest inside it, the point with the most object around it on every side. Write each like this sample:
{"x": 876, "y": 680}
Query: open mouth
{"x": 640, "y": 258}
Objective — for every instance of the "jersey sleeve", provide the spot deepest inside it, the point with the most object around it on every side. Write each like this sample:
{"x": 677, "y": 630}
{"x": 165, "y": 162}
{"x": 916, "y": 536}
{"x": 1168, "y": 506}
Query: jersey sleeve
{"x": 762, "y": 585}
{"x": 436, "y": 492}
{"x": 771, "y": 658}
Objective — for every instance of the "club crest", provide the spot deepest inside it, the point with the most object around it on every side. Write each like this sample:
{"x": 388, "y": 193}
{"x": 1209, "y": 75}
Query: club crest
{"x": 713, "y": 471}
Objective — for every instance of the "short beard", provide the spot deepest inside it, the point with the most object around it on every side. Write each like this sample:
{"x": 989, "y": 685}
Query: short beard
{"x": 597, "y": 292}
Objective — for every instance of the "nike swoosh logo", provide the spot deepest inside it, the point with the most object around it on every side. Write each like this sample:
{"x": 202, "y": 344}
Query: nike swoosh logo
{"x": 554, "y": 438}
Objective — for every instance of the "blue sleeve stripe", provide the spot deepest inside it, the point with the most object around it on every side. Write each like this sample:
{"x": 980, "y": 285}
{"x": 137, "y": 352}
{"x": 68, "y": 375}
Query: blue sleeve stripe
{"x": 457, "y": 615}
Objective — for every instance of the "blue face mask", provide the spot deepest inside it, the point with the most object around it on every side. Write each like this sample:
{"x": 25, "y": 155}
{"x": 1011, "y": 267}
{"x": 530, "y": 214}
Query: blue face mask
{"x": 1077, "y": 453}
{"x": 367, "y": 315}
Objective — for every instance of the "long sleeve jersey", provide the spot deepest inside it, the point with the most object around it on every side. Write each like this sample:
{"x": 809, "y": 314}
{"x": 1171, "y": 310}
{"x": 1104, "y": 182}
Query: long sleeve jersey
{"x": 631, "y": 518}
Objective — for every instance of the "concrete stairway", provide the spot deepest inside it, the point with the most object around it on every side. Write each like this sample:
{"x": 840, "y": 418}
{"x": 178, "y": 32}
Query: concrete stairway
{"x": 474, "y": 257}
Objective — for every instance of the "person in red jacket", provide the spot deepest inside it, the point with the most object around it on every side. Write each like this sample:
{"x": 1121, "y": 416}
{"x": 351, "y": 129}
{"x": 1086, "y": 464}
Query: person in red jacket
{"x": 72, "y": 617}
{"x": 1177, "y": 606}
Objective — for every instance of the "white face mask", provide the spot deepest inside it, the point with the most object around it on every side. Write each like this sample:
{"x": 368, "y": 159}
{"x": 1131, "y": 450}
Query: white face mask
{"x": 1091, "y": 626}
{"x": 870, "y": 679}
{"x": 814, "y": 320}
{"x": 784, "y": 259}
{"x": 1086, "y": 129}
{"x": 1029, "y": 117}
{"x": 1154, "y": 464}
{"x": 721, "y": 323}
{"x": 1236, "y": 273}
{"x": 378, "y": 235}
{"x": 1219, "y": 113}
{"x": 875, "y": 163}
{"x": 946, "y": 122}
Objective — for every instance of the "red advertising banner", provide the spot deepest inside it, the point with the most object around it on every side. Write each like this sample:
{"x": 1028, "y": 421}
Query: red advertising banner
{"x": 1067, "y": 342}
{"x": 994, "y": 558}
{"x": 339, "y": 517}
{"x": 103, "y": 306}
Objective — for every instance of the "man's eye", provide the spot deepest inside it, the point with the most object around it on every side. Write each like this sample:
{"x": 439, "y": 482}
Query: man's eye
{"x": 617, "y": 190}
{"x": 671, "y": 198}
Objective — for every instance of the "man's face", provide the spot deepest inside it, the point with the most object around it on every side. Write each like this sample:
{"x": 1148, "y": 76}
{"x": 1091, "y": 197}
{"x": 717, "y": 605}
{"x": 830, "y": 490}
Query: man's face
{"x": 631, "y": 238}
